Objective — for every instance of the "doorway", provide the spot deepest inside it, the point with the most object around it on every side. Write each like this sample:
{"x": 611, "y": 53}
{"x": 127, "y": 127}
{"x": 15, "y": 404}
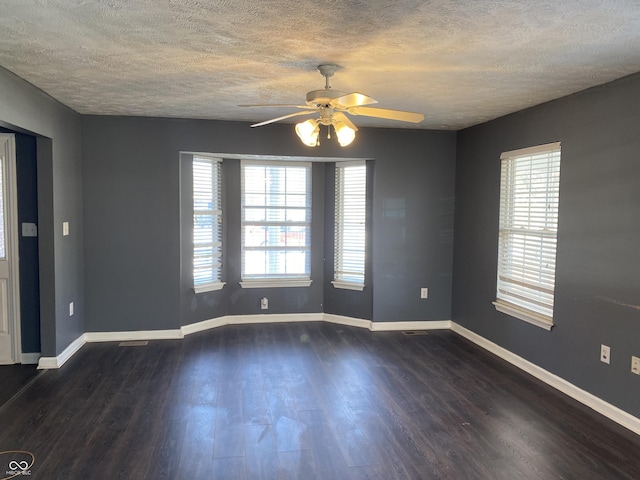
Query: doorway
{"x": 10, "y": 336}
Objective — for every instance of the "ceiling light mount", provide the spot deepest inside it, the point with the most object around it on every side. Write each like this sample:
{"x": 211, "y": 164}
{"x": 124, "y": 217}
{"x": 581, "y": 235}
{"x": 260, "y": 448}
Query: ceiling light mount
{"x": 327, "y": 70}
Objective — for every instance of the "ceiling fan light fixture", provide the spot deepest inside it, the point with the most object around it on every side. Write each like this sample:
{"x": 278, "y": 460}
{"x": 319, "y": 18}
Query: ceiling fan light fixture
{"x": 308, "y": 132}
{"x": 345, "y": 133}
{"x": 334, "y": 107}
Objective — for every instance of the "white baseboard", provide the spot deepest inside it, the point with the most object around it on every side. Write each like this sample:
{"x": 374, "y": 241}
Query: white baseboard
{"x": 423, "y": 325}
{"x": 204, "y": 325}
{"x": 312, "y": 317}
{"x": 349, "y": 321}
{"x": 275, "y": 318}
{"x": 604, "y": 408}
{"x": 249, "y": 319}
{"x": 56, "y": 362}
{"x": 93, "y": 337}
{"x": 30, "y": 358}
{"x": 387, "y": 326}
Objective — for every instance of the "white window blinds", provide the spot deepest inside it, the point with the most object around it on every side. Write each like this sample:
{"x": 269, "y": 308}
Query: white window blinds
{"x": 276, "y": 221}
{"x": 528, "y": 230}
{"x": 350, "y": 227}
{"x": 207, "y": 222}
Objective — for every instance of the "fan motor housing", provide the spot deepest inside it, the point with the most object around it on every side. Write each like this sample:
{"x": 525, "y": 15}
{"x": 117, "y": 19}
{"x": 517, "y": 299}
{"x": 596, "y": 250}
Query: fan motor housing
{"x": 322, "y": 97}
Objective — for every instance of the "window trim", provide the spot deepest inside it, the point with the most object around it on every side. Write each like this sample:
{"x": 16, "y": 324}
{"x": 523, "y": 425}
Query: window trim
{"x": 503, "y": 305}
{"x": 523, "y": 314}
{"x": 209, "y": 287}
{"x": 348, "y": 285}
{"x": 276, "y": 283}
{"x": 278, "y": 280}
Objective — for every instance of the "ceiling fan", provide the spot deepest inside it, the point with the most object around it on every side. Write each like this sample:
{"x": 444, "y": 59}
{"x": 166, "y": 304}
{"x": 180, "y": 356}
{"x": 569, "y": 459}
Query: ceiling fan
{"x": 333, "y": 107}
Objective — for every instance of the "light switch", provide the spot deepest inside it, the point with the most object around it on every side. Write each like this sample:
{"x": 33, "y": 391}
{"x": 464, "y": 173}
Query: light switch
{"x": 29, "y": 229}
{"x": 65, "y": 228}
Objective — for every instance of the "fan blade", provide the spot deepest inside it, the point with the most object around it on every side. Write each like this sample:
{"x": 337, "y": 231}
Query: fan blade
{"x": 282, "y": 118}
{"x": 386, "y": 113}
{"x": 352, "y": 100}
{"x": 276, "y": 105}
{"x": 341, "y": 117}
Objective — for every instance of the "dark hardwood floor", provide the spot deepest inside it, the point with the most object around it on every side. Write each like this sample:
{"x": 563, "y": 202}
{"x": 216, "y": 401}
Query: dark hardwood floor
{"x": 13, "y": 378}
{"x": 307, "y": 401}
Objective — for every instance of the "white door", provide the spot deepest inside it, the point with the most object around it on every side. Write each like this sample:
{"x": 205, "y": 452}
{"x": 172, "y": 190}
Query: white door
{"x": 10, "y": 348}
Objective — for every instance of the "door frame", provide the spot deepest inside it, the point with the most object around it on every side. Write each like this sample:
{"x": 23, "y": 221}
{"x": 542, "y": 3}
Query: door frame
{"x": 12, "y": 244}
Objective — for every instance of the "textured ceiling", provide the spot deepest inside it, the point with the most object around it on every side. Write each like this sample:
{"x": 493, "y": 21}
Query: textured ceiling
{"x": 457, "y": 62}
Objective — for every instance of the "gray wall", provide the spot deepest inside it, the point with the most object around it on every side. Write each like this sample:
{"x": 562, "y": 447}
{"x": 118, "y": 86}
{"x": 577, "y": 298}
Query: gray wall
{"x": 133, "y": 180}
{"x": 413, "y": 203}
{"x": 597, "y": 296}
{"x": 26, "y": 109}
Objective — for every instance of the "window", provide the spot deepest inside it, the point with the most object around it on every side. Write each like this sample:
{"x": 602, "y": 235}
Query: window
{"x": 350, "y": 214}
{"x": 276, "y": 224}
{"x": 529, "y": 192}
{"x": 207, "y": 224}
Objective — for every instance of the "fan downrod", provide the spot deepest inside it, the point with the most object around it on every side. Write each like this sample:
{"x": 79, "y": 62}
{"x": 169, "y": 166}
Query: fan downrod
{"x": 322, "y": 98}
{"x": 327, "y": 71}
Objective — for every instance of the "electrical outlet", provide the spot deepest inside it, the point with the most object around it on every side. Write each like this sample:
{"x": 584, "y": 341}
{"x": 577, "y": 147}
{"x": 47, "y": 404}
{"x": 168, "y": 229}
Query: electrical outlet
{"x": 264, "y": 303}
{"x": 635, "y": 365}
{"x": 70, "y": 309}
{"x": 424, "y": 293}
{"x": 65, "y": 228}
{"x": 605, "y": 354}
{"x": 29, "y": 229}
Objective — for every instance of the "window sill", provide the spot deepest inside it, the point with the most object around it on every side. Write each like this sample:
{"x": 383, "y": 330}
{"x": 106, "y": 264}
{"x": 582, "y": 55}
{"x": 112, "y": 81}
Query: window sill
{"x": 209, "y": 287}
{"x": 348, "y": 285}
{"x": 276, "y": 283}
{"x": 524, "y": 315}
